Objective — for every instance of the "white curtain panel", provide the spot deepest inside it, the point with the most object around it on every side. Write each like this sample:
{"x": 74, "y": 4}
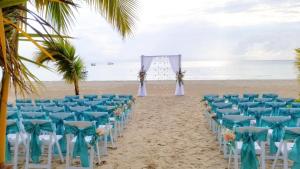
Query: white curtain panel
{"x": 175, "y": 64}
{"x": 142, "y": 90}
{"x": 146, "y": 63}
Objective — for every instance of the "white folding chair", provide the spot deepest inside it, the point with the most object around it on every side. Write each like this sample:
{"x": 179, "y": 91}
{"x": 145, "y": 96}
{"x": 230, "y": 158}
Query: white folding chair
{"x": 259, "y": 144}
{"x": 87, "y": 130}
{"x": 45, "y": 133}
{"x": 285, "y": 145}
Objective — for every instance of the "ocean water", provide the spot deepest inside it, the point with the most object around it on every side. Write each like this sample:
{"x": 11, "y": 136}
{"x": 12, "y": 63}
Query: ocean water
{"x": 196, "y": 70}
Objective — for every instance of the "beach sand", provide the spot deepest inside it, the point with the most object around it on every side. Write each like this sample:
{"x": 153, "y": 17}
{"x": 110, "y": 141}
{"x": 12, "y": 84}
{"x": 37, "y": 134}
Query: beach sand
{"x": 168, "y": 132}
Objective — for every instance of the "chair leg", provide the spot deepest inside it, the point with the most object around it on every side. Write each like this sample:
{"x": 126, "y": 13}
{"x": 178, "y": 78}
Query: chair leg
{"x": 27, "y": 153}
{"x": 68, "y": 153}
{"x": 50, "y": 155}
{"x": 285, "y": 156}
{"x": 98, "y": 152}
{"x": 277, "y": 155}
{"x": 236, "y": 161}
{"x": 91, "y": 158}
{"x": 263, "y": 157}
{"x": 59, "y": 150}
{"x": 16, "y": 152}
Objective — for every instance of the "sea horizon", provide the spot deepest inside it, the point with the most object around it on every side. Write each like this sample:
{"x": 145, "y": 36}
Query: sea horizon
{"x": 194, "y": 70}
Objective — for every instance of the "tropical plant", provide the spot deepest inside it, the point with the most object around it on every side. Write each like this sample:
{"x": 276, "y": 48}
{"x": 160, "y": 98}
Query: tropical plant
{"x": 66, "y": 61}
{"x": 15, "y": 17}
{"x": 297, "y": 62}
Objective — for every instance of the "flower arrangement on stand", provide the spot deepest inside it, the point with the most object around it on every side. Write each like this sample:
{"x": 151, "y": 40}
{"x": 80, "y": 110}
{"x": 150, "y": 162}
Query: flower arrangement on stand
{"x": 180, "y": 76}
{"x": 142, "y": 76}
{"x": 118, "y": 112}
{"x": 229, "y": 138}
{"x": 100, "y": 131}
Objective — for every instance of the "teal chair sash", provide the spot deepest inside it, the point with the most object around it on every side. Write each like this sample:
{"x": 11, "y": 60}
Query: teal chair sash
{"x": 231, "y": 121}
{"x": 90, "y": 97}
{"x": 248, "y": 153}
{"x": 245, "y": 105}
{"x": 275, "y": 106}
{"x": 12, "y": 115}
{"x": 79, "y": 111}
{"x": 294, "y": 153}
{"x": 101, "y": 118}
{"x": 258, "y": 112}
{"x": 23, "y": 101}
{"x": 295, "y": 115}
{"x": 58, "y": 119}
{"x": 277, "y": 124}
{"x": 296, "y": 105}
{"x": 287, "y": 100}
{"x": 237, "y": 100}
{"x": 270, "y": 95}
{"x": 34, "y": 115}
{"x": 251, "y": 96}
{"x": 34, "y": 129}
{"x": 80, "y": 147}
{"x": 220, "y": 105}
{"x": 12, "y": 127}
{"x": 221, "y": 112}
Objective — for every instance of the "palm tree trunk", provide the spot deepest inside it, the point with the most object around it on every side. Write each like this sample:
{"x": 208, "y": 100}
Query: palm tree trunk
{"x": 76, "y": 87}
{"x": 3, "y": 108}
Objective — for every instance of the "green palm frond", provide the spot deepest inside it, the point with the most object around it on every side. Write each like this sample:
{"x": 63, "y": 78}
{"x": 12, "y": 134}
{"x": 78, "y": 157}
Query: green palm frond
{"x": 119, "y": 13}
{"x": 297, "y": 62}
{"x": 60, "y": 13}
{"x": 67, "y": 63}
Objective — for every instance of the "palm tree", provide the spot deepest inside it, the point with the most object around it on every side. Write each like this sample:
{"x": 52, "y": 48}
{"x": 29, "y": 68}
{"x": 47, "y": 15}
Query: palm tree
{"x": 66, "y": 61}
{"x": 59, "y": 13}
{"x": 297, "y": 62}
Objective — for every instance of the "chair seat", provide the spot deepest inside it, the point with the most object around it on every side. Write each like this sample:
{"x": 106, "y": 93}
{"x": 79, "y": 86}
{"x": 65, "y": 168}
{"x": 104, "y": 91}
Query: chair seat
{"x": 12, "y": 138}
{"x": 112, "y": 119}
{"x": 289, "y": 146}
{"x": 106, "y": 126}
{"x": 86, "y": 138}
{"x": 257, "y": 147}
{"x": 46, "y": 138}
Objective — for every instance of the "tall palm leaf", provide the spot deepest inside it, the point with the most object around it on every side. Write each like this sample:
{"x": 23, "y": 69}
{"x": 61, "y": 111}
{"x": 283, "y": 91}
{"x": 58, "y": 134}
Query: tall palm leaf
{"x": 13, "y": 19}
{"x": 66, "y": 61}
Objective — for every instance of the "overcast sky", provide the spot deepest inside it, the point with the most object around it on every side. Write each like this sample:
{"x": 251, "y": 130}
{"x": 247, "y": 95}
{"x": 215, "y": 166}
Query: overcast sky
{"x": 197, "y": 29}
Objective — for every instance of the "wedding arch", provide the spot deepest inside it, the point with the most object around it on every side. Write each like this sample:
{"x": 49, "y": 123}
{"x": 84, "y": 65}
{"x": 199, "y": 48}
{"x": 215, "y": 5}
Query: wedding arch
{"x": 175, "y": 62}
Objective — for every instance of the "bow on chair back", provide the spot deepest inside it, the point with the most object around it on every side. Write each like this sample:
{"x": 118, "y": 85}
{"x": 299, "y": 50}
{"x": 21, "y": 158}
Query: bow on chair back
{"x": 81, "y": 129}
{"x": 79, "y": 111}
{"x": 13, "y": 115}
{"x": 257, "y": 112}
{"x": 231, "y": 121}
{"x": 101, "y": 118}
{"x": 12, "y": 127}
{"x": 34, "y": 128}
{"x": 277, "y": 124}
{"x": 248, "y": 135}
{"x": 58, "y": 120}
{"x": 293, "y": 133}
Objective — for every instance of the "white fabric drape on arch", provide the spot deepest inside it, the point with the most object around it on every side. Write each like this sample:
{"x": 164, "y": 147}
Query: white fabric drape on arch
{"x": 175, "y": 64}
{"x": 146, "y": 63}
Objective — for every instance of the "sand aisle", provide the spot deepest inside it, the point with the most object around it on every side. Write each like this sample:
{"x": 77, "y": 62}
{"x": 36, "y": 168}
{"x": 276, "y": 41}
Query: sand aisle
{"x": 167, "y": 132}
